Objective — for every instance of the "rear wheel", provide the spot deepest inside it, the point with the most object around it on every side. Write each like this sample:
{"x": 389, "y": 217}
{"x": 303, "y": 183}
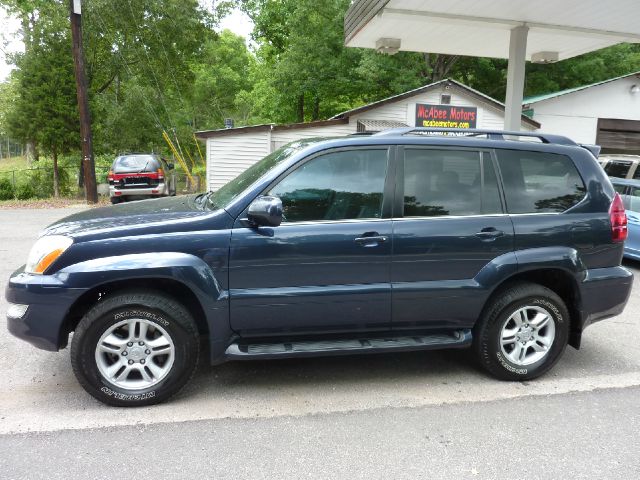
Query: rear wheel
{"x": 522, "y": 333}
{"x": 115, "y": 200}
{"x": 135, "y": 349}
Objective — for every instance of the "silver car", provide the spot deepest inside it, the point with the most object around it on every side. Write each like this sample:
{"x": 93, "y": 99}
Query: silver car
{"x": 141, "y": 175}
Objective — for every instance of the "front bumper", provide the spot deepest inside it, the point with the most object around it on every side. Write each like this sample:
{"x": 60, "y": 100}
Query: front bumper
{"x": 49, "y": 301}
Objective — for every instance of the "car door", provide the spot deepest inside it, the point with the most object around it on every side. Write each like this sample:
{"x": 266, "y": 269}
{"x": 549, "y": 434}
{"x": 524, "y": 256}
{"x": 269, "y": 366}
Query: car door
{"x": 327, "y": 266}
{"x": 448, "y": 224}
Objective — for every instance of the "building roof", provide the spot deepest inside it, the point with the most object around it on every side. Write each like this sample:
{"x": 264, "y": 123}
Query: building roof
{"x": 343, "y": 117}
{"x": 204, "y": 134}
{"x": 548, "y": 96}
{"x": 462, "y": 27}
{"x": 425, "y": 88}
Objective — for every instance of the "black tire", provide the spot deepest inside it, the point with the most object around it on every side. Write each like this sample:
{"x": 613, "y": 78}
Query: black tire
{"x": 158, "y": 312}
{"x": 489, "y": 329}
{"x": 115, "y": 200}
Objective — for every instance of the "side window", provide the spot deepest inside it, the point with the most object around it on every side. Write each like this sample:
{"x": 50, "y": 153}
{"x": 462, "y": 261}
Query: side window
{"x": 618, "y": 169}
{"x": 536, "y": 182}
{"x": 336, "y": 186}
{"x": 449, "y": 182}
{"x": 619, "y": 188}
{"x": 631, "y": 203}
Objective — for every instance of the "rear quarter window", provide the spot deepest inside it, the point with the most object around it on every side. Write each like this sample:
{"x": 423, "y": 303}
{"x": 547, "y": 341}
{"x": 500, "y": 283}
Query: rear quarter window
{"x": 538, "y": 182}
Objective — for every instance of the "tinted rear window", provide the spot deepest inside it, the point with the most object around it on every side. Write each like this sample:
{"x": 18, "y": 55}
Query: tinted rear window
{"x": 135, "y": 163}
{"x": 617, "y": 168}
{"x": 536, "y": 182}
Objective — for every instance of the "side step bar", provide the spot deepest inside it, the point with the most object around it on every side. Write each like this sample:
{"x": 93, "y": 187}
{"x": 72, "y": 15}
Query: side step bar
{"x": 312, "y": 348}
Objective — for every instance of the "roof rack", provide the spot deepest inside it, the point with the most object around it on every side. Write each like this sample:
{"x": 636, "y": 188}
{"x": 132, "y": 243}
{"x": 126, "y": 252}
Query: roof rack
{"x": 473, "y": 132}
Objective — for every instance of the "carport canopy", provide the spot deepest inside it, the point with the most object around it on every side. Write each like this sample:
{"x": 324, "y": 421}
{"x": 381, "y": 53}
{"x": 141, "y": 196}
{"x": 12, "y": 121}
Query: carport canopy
{"x": 541, "y": 31}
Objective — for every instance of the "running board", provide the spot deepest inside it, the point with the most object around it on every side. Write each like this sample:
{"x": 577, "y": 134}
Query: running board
{"x": 312, "y": 348}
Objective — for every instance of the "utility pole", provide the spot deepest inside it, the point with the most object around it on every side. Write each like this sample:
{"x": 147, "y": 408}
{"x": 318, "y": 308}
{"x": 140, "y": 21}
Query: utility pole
{"x": 88, "y": 166}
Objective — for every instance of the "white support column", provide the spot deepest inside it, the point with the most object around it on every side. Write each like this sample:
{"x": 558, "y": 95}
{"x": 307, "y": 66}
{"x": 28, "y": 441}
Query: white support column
{"x": 515, "y": 77}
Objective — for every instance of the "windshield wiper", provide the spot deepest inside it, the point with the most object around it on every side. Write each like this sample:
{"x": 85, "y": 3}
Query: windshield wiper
{"x": 145, "y": 167}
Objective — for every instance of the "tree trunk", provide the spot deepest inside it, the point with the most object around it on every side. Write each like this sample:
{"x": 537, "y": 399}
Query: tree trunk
{"x": 438, "y": 68}
{"x": 315, "y": 114}
{"x": 300, "y": 111}
{"x": 81, "y": 175}
{"x": 31, "y": 152}
{"x": 56, "y": 178}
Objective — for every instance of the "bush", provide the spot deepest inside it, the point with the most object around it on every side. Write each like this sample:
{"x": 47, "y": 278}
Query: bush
{"x": 7, "y": 192}
{"x": 25, "y": 191}
{"x": 40, "y": 182}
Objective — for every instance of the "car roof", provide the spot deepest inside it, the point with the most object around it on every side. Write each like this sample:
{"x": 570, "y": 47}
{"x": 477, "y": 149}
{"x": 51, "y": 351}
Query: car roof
{"x": 481, "y": 139}
{"x": 632, "y": 158}
{"x": 625, "y": 181}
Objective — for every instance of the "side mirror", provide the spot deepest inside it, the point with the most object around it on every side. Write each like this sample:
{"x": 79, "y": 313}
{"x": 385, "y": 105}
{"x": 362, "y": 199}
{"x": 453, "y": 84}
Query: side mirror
{"x": 265, "y": 211}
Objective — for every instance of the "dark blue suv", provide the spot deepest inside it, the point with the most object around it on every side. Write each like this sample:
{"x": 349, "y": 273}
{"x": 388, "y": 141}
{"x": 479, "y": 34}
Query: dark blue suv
{"x": 508, "y": 243}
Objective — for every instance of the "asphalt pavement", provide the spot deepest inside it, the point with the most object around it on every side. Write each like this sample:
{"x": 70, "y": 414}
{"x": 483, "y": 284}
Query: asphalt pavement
{"x": 413, "y": 415}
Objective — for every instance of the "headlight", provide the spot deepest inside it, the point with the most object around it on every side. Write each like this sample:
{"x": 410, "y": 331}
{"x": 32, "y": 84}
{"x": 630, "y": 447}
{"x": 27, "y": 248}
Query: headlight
{"x": 45, "y": 251}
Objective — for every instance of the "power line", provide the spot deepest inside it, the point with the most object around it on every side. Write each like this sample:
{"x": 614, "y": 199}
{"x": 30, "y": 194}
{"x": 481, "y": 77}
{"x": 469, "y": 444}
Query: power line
{"x": 145, "y": 101}
{"x": 153, "y": 73}
{"x": 175, "y": 82}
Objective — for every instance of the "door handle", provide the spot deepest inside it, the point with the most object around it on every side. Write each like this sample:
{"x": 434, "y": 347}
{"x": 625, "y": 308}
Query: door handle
{"x": 489, "y": 234}
{"x": 371, "y": 241}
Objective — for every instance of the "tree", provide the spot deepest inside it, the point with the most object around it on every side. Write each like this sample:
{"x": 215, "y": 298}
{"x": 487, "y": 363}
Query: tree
{"x": 45, "y": 111}
{"x": 220, "y": 73}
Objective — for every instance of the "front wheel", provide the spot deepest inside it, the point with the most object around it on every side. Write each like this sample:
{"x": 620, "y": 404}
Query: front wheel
{"x": 135, "y": 349}
{"x": 522, "y": 333}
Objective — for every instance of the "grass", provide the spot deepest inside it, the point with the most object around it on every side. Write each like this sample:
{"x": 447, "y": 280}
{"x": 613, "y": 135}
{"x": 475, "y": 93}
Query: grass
{"x": 13, "y": 163}
{"x": 51, "y": 203}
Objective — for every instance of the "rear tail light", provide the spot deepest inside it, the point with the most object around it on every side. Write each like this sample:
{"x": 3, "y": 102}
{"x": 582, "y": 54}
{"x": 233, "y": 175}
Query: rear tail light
{"x": 618, "y": 219}
{"x": 110, "y": 176}
{"x": 160, "y": 174}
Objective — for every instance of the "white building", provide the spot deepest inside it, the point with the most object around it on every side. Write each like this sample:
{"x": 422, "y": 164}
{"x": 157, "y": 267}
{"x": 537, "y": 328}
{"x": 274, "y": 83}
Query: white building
{"x": 444, "y": 103}
{"x": 605, "y": 113}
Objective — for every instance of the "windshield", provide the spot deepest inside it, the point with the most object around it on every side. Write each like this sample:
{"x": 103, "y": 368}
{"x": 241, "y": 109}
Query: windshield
{"x": 135, "y": 163}
{"x": 225, "y": 194}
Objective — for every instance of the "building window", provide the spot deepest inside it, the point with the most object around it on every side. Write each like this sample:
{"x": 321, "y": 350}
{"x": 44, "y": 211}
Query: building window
{"x": 445, "y": 99}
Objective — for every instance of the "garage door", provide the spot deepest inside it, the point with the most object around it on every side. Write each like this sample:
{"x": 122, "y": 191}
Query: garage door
{"x": 619, "y": 136}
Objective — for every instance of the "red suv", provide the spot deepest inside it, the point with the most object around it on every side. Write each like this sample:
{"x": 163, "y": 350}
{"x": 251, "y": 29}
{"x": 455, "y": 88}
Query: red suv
{"x": 140, "y": 175}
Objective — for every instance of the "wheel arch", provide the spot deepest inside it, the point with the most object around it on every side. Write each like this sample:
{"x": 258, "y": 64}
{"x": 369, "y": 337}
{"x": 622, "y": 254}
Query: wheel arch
{"x": 165, "y": 286}
{"x": 559, "y": 280}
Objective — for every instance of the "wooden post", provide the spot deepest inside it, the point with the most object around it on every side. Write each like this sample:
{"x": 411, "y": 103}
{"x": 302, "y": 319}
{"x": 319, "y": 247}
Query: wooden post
{"x": 88, "y": 165}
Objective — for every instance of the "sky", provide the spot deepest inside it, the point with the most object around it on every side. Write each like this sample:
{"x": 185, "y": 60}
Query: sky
{"x": 10, "y": 42}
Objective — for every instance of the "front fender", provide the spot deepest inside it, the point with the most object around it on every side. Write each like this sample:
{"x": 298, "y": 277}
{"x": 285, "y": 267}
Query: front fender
{"x": 189, "y": 270}
{"x": 182, "y": 267}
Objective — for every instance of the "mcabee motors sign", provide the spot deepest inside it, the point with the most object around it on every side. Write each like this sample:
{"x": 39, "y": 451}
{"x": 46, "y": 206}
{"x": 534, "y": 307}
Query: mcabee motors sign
{"x": 445, "y": 116}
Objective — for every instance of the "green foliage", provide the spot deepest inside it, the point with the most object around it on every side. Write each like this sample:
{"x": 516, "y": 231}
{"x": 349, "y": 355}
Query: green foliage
{"x": 25, "y": 190}
{"x": 7, "y": 191}
{"x": 161, "y": 65}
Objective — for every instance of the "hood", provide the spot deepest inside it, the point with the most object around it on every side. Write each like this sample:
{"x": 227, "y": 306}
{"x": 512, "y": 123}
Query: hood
{"x": 129, "y": 217}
